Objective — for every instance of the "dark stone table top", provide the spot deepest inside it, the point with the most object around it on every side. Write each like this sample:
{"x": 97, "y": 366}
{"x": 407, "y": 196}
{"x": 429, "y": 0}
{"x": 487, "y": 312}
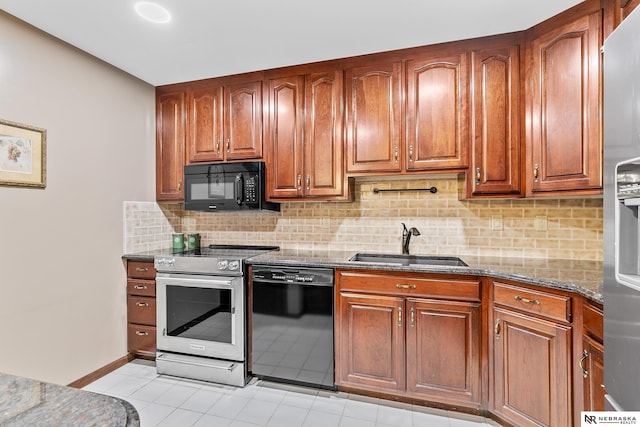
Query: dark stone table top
{"x": 26, "y": 402}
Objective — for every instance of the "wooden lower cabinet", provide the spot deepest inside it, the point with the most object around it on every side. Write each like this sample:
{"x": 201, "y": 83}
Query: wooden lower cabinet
{"x": 141, "y": 309}
{"x": 443, "y": 350}
{"x": 372, "y": 343}
{"x": 592, "y": 369}
{"x": 531, "y": 370}
{"x": 407, "y": 345}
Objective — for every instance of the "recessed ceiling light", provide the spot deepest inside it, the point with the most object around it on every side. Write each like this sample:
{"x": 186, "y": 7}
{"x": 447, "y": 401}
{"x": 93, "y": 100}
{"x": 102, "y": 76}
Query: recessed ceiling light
{"x": 152, "y": 12}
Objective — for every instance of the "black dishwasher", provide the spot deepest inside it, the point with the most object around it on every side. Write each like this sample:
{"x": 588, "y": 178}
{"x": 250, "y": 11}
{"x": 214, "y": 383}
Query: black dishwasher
{"x": 292, "y": 325}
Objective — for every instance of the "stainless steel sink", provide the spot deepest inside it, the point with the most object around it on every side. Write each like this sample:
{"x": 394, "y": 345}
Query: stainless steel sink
{"x": 409, "y": 259}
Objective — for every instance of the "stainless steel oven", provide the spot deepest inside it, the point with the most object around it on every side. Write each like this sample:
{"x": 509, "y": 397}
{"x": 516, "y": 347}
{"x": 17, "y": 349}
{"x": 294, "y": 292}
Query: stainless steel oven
{"x": 201, "y": 315}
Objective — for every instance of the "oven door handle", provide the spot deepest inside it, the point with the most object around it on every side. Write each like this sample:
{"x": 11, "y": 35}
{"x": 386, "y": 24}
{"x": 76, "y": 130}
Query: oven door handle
{"x": 209, "y": 282}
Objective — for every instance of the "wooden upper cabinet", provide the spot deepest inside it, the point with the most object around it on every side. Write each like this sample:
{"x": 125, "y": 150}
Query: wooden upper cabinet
{"x": 243, "y": 120}
{"x": 170, "y": 139}
{"x": 437, "y": 129}
{"x": 284, "y": 137}
{"x": 373, "y": 117}
{"x": 564, "y": 148}
{"x": 224, "y": 119}
{"x": 495, "y": 111}
{"x": 305, "y": 137}
{"x": 205, "y": 118}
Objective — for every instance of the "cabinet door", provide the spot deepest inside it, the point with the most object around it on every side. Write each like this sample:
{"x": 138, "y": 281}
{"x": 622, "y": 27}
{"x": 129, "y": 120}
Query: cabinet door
{"x": 531, "y": 364}
{"x": 495, "y": 112}
{"x": 205, "y": 139}
{"x": 437, "y": 118}
{"x": 284, "y": 136}
{"x": 243, "y": 120}
{"x": 564, "y": 147}
{"x": 370, "y": 342}
{"x": 592, "y": 368}
{"x": 443, "y": 350}
{"x": 373, "y": 117}
{"x": 170, "y": 139}
{"x": 323, "y": 145}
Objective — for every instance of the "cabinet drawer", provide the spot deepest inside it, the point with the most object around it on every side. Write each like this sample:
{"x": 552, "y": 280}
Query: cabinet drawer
{"x": 409, "y": 284}
{"x": 141, "y": 287}
{"x": 556, "y": 307}
{"x": 141, "y": 339}
{"x": 141, "y": 310}
{"x": 141, "y": 270}
{"x": 592, "y": 320}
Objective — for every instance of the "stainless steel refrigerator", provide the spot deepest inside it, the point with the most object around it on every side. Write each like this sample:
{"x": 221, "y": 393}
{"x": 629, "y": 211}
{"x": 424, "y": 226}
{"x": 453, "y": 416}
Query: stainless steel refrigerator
{"x": 621, "y": 228}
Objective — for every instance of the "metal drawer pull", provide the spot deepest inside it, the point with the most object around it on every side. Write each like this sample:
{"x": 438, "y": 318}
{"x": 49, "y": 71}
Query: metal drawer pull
{"x": 142, "y": 270}
{"x": 142, "y": 333}
{"x": 585, "y": 354}
{"x": 142, "y": 304}
{"x": 527, "y": 300}
{"x": 140, "y": 287}
{"x": 403, "y": 286}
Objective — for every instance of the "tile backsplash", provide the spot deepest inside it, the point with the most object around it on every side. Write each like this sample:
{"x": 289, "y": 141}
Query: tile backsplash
{"x": 554, "y": 228}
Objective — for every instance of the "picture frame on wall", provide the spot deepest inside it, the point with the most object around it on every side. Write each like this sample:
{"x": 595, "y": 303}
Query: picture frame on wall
{"x": 22, "y": 155}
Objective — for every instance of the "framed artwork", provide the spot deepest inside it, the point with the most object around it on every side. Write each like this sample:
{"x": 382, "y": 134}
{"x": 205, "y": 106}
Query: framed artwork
{"x": 22, "y": 155}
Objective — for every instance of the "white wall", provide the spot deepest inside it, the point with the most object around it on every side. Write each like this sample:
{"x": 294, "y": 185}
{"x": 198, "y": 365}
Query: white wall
{"x": 62, "y": 281}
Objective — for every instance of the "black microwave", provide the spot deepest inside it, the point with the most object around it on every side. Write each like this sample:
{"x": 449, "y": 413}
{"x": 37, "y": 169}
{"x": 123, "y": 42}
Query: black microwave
{"x": 227, "y": 187}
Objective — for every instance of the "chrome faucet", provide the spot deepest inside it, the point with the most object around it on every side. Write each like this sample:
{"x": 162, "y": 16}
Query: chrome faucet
{"x": 406, "y": 237}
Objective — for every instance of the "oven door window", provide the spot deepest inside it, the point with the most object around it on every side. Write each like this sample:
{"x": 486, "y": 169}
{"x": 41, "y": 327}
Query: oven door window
{"x": 200, "y": 313}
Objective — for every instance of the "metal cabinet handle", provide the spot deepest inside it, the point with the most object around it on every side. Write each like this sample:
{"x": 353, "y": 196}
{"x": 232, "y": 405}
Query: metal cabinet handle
{"x": 411, "y": 153}
{"x": 477, "y": 176}
{"x": 395, "y": 154}
{"x": 228, "y": 145}
{"x": 308, "y": 182}
{"x": 585, "y": 354}
{"x": 496, "y": 329}
{"x": 405, "y": 286}
{"x": 142, "y": 304}
{"x": 413, "y": 317}
{"x": 142, "y": 333}
{"x": 299, "y": 182}
{"x": 180, "y": 185}
{"x": 140, "y": 287}
{"x": 218, "y": 147}
{"x": 399, "y": 316}
{"x": 536, "y": 170}
{"x": 142, "y": 269}
{"x": 526, "y": 300}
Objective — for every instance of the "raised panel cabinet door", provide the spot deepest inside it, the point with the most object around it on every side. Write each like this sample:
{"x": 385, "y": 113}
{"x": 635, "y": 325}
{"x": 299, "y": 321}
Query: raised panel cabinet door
{"x": 243, "y": 120}
{"x": 285, "y": 133}
{"x": 373, "y": 118}
{"x": 531, "y": 370}
{"x": 495, "y": 112}
{"x": 170, "y": 140}
{"x": 591, "y": 367}
{"x": 436, "y": 113}
{"x": 205, "y": 140}
{"x": 443, "y": 350}
{"x": 565, "y": 143}
{"x": 323, "y": 158}
{"x": 371, "y": 342}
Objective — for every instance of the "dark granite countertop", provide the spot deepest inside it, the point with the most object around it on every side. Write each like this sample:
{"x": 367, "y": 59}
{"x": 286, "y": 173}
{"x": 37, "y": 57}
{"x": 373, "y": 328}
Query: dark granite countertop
{"x": 26, "y": 402}
{"x": 582, "y": 277}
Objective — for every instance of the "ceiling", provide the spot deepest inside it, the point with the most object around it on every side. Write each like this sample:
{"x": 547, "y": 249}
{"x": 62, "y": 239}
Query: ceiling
{"x": 210, "y": 38}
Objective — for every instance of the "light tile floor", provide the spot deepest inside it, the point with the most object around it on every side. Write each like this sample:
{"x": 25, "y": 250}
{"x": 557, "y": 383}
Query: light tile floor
{"x": 176, "y": 402}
